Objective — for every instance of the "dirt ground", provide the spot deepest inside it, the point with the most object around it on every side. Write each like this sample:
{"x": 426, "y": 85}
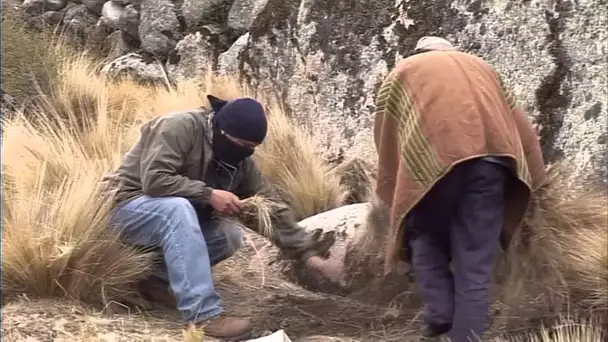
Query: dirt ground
{"x": 250, "y": 287}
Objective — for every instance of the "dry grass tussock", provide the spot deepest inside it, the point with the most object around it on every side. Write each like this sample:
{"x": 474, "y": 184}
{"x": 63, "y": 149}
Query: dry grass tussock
{"x": 567, "y": 330}
{"x": 562, "y": 251}
{"x": 55, "y": 239}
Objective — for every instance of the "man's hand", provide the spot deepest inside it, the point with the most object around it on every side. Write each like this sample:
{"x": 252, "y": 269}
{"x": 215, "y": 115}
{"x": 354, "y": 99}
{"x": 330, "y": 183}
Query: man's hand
{"x": 331, "y": 270}
{"x": 225, "y": 202}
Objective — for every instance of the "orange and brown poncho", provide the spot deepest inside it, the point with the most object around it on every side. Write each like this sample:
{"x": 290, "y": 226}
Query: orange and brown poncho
{"x": 438, "y": 109}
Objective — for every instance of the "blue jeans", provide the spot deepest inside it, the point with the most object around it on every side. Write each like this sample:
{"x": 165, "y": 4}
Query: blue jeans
{"x": 190, "y": 247}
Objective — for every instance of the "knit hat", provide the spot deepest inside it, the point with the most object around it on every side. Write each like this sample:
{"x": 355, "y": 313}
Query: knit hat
{"x": 242, "y": 118}
{"x": 433, "y": 43}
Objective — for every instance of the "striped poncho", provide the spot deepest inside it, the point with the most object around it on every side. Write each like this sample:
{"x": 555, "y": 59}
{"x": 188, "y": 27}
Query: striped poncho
{"x": 435, "y": 110}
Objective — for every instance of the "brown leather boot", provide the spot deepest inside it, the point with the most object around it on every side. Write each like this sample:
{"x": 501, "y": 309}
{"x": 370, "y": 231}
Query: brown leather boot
{"x": 227, "y": 328}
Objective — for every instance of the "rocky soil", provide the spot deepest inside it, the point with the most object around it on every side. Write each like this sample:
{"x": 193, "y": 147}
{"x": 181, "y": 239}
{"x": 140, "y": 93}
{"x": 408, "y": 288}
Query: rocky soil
{"x": 325, "y": 60}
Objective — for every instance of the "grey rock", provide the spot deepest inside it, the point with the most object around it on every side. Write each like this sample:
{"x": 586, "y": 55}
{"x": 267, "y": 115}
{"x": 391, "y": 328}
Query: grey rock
{"x": 94, "y": 6}
{"x": 129, "y": 21}
{"x": 79, "y": 20}
{"x": 326, "y": 63}
{"x": 96, "y": 36}
{"x": 52, "y": 17}
{"x": 136, "y": 65}
{"x": 120, "y": 44}
{"x": 353, "y": 253}
{"x": 228, "y": 62}
{"x": 37, "y": 7}
{"x": 243, "y": 13}
{"x": 196, "y": 57}
{"x": 159, "y": 29}
{"x": 584, "y": 41}
{"x": 122, "y": 2}
{"x": 111, "y": 14}
{"x": 202, "y": 12}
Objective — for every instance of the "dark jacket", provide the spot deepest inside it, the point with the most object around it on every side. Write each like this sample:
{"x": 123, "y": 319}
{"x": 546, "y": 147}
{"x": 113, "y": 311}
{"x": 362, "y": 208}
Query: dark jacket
{"x": 174, "y": 158}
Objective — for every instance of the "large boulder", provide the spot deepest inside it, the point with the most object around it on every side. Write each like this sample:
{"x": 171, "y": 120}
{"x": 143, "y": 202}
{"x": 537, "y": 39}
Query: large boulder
{"x": 94, "y": 6}
{"x": 197, "y": 13}
{"x": 159, "y": 29}
{"x": 244, "y": 12}
{"x": 358, "y": 250}
{"x": 326, "y": 60}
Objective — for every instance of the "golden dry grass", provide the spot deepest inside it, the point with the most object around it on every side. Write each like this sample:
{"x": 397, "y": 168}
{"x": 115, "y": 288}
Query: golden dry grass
{"x": 53, "y": 211}
{"x": 562, "y": 252}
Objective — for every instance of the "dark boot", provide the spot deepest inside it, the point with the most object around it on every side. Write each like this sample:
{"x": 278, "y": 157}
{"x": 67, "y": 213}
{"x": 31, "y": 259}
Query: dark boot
{"x": 432, "y": 332}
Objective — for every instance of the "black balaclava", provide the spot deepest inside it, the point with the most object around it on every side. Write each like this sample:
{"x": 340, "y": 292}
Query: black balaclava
{"x": 242, "y": 118}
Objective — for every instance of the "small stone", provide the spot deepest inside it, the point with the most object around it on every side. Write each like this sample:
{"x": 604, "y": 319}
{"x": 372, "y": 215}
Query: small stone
{"x": 36, "y": 7}
{"x": 52, "y": 17}
{"x": 135, "y": 65}
{"x": 79, "y": 19}
{"x": 111, "y": 13}
{"x": 129, "y": 21}
{"x": 94, "y": 6}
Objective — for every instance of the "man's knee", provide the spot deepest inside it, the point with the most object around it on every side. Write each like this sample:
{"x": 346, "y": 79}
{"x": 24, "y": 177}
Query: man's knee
{"x": 176, "y": 205}
{"x": 176, "y": 212}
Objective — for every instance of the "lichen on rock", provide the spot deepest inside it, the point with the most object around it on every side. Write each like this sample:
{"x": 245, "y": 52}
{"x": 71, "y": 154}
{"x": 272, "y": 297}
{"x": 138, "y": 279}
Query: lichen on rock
{"x": 325, "y": 60}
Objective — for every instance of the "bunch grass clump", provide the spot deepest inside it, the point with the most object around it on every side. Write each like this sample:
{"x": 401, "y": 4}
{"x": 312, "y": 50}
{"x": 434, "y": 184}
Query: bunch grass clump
{"x": 559, "y": 259}
{"x": 56, "y": 240}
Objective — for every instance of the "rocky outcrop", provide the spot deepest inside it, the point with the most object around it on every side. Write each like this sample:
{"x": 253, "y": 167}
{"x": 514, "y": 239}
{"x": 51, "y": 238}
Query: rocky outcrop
{"x": 325, "y": 59}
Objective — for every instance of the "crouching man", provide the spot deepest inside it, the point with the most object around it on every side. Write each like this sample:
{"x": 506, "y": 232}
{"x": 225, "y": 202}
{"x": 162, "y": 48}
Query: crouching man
{"x": 458, "y": 160}
{"x": 186, "y": 168}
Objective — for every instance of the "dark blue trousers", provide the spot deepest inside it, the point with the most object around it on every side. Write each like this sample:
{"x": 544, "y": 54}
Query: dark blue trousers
{"x": 459, "y": 223}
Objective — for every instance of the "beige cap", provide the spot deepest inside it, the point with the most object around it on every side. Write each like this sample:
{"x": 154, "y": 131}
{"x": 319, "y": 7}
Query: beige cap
{"x": 433, "y": 43}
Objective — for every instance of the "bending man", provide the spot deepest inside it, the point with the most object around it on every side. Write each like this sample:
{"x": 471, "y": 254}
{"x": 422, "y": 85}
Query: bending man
{"x": 186, "y": 168}
{"x": 459, "y": 159}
